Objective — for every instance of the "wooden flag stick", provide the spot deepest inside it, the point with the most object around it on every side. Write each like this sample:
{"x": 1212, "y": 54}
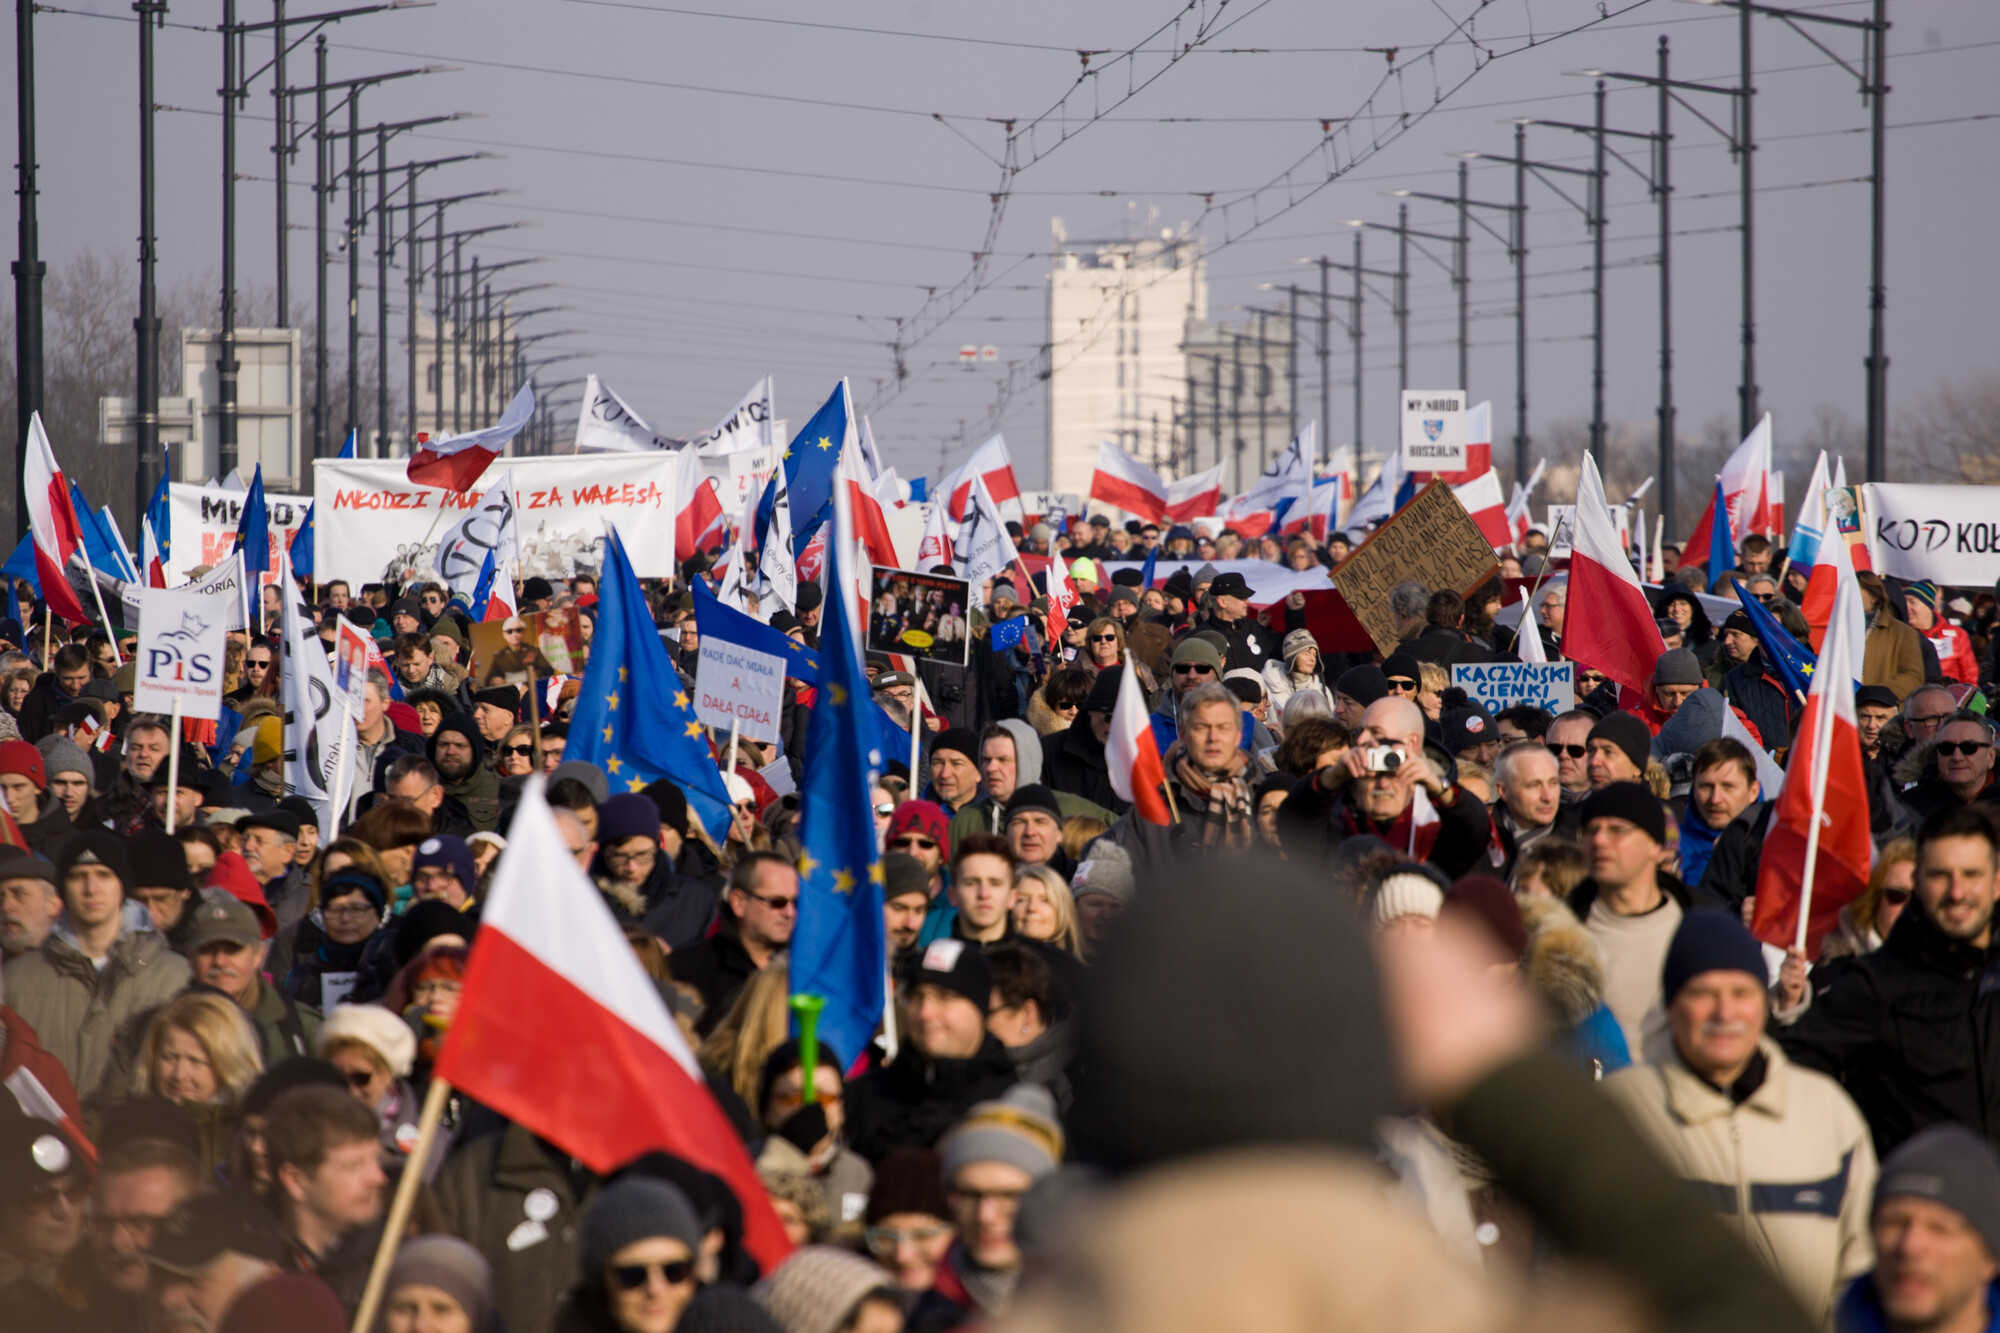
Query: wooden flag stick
{"x": 399, "y": 1207}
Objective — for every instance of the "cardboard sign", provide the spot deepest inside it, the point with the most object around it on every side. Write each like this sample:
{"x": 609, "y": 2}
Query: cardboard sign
{"x": 179, "y": 654}
{"x": 922, "y": 615}
{"x": 1434, "y": 430}
{"x": 734, "y": 684}
{"x": 1431, "y": 540}
{"x": 1498, "y": 685}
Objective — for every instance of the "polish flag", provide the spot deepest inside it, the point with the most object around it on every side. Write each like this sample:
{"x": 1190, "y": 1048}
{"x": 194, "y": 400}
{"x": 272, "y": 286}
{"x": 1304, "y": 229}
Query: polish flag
{"x": 1832, "y": 570}
{"x": 1818, "y": 853}
{"x": 1518, "y": 520}
{"x": 1482, "y": 500}
{"x": 1619, "y": 635}
{"x": 500, "y": 598}
{"x": 153, "y": 570}
{"x": 1192, "y": 497}
{"x": 934, "y": 547}
{"x": 52, "y": 522}
{"x": 1528, "y": 644}
{"x": 1062, "y": 596}
{"x": 1746, "y": 488}
{"x": 560, "y": 1029}
{"x": 989, "y": 463}
{"x": 456, "y": 463}
{"x": 700, "y": 521}
{"x": 1478, "y": 446}
{"x": 1133, "y": 755}
{"x": 1325, "y": 508}
{"x": 1123, "y": 482}
{"x": 871, "y": 528}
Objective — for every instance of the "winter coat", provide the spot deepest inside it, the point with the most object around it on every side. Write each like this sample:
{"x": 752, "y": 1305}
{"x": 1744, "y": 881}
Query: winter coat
{"x": 669, "y": 905}
{"x": 1911, "y": 1031}
{"x": 1279, "y": 685}
{"x": 1046, "y": 1060}
{"x": 78, "y": 1010}
{"x": 486, "y": 1190}
{"x": 1562, "y": 964}
{"x": 49, "y": 831}
{"x": 1073, "y": 762}
{"x": 1445, "y": 646}
{"x": 1756, "y": 693}
{"x": 1954, "y": 650}
{"x": 38, "y": 711}
{"x": 845, "y": 1184}
{"x": 1850, "y": 938}
{"x": 1731, "y": 872}
{"x": 1251, "y": 642}
{"x": 1312, "y": 824}
{"x": 1892, "y": 655}
{"x": 1791, "y": 1167}
{"x": 719, "y": 967}
{"x": 911, "y": 1103}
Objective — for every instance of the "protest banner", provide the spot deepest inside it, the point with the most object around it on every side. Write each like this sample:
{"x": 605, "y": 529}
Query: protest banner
{"x": 203, "y": 522}
{"x": 922, "y": 615}
{"x": 224, "y": 581}
{"x": 1432, "y": 541}
{"x": 1498, "y": 685}
{"x": 350, "y": 664}
{"x": 1433, "y": 430}
{"x": 374, "y": 524}
{"x": 504, "y": 652}
{"x": 740, "y": 687}
{"x": 1947, "y": 534}
{"x": 179, "y": 657}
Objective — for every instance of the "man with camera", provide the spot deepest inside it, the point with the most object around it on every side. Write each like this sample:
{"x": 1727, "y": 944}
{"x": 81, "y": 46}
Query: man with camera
{"x": 1386, "y": 787}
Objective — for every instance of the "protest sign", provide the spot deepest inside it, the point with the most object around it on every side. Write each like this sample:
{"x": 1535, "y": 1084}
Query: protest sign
{"x": 1432, "y": 541}
{"x": 741, "y": 686}
{"x": 505, "y": 651}
{"x": 1947, "y": 534}
{"x": 919, "y": 614}
{"x": 224, "y": 582}
{"x": 1433, "y": 430}
{"x": 350, "y": 664}
{"x": 202, "y": 522}
{"x": 374, "y": 524}
{"x": 1498, "y": 685}
{"x": 558, "y": 632}
{"x": 178, "y": 660}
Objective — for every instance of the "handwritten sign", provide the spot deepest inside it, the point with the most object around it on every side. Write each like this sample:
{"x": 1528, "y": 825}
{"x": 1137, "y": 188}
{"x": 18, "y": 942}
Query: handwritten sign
{"x": 1431, "y": 540}
{"x": 734, "y": 684}
{"x": 1498, "y": 685}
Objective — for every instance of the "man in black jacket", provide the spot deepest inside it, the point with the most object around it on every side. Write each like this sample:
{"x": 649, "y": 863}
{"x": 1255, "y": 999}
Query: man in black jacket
{"x": 1912, "y": 1030}
{"x": 762, "y": 911}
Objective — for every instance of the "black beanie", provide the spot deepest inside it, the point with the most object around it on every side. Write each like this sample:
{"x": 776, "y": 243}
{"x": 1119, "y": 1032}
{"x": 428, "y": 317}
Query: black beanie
{"x": 962, "y": 739}
{"x": 1710, "y": 941}
{"x": 671, "y": 802}
{"x": 1629, "y": 734}
{"x": 158, "y": 861}
{"x": 1363, "y": 684}
{"x": 1630, "y": 802}
{"x": 427, "y": 920}
{"x": 94, "y": 847}
{"x": 908, "y": 1180}
{"x": 1237, "y": 1006}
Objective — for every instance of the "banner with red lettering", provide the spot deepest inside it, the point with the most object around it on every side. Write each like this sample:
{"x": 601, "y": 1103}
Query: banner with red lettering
{"x": 203, "y": 523}
{"x": 373, "y": 524}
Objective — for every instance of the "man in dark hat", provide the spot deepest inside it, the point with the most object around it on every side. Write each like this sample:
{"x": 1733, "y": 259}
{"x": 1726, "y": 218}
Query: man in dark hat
{"x": 458, "y": 753}
{"x": 226, "y": 947}
{"x": 496, "y": 711}
{"x": 44, "y": 1181}
{"x": 1935, "y": 1223}
{"x": 1752, "y": 686}
{"x": 810, "y": 598}
{"x": 269, "y": 840}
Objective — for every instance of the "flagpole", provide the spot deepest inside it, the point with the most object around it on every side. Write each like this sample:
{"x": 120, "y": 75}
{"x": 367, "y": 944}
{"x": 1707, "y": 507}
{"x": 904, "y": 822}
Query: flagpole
{"x": 534, "y": 712}
{"x": 102, "y": 614}
{"x": 735, "y": 724}
{"x": 399, "y": 1207}
{"x": 916, "y": 721}
{"x": 174, "y": 765}
{"x": 1812, "y": 862}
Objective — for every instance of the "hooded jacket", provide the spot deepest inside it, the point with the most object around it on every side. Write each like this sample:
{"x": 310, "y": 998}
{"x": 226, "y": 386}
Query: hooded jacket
{"x": 1756, "y": 693}
{"x": 1563, "y": 965}
{"x": 983, "y": 814}
{"x": 77, "y": 1009}
{"x": 478, "y": 790}
{"x": 1073, "y": 761}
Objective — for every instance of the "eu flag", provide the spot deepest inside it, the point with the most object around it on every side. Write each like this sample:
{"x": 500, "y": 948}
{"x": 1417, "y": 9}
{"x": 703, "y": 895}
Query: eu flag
{"x": 632, "y": 718}
{"x": 1008, "y": 634}
{"x": 839, "y": 952}
{"x": 253, "y": 529}
{"x": 725, "y": 624}
{"x": 1721, "y": 548}
{"x": 482, "y": 591}
{"x": 347, "y": 449}
{"x": 1792, "y": 660}
{"x": 809, "y": 463}
{"x": 302, "y": 548}
{"x": 159, "y": 512}
{"x": 1146, "y": 571}
{"x": 105, "y": 552}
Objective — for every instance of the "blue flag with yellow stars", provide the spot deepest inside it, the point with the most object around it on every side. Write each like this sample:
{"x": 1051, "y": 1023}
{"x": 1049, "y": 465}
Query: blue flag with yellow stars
{"x": 839, "y": 951}
{"x": 633, "y": 719}
{"x": 809, "y": 462}
{"x": 302, "y": 548}
{"x": 1792, "y": 660}
{"x": 253, "y": 529}
{"x": 725, "y": 624}
{"x": 482, "y": 591}
{"x": 1008, "y": 634}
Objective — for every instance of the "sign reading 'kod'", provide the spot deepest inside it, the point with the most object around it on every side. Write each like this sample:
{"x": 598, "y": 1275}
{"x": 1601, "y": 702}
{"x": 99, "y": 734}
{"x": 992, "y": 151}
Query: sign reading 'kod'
{"x": 374, "y": 525}
{"x": 178, "y": 659}
{"x": 1947, "y": 534}
{"x": 1498, "y": 685}
{"x": 1434, "y": 430}
{"x": 734, "y": 684}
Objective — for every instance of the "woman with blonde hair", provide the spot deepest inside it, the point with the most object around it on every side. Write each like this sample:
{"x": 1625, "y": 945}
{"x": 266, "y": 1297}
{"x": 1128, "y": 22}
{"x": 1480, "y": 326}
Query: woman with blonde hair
{"x": 200, "y": 1052}
{"x": 1104, "y": 646}
{"x": 1045, "y": 910}
{"x": 758, "y": 1023}
{"x": 514, "y": 756}
{"x": 1866, "y": 922}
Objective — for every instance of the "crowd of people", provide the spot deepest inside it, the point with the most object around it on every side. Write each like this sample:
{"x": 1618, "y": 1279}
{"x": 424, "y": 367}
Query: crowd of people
{"x": 1412, "y": 1015}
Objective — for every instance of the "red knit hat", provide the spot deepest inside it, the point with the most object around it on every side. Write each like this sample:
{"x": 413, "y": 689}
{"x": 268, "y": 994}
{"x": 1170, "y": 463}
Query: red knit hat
{"x": 922, "y": 817}
{"x": 233, "y": 876}
{"x": 23, "y": 760}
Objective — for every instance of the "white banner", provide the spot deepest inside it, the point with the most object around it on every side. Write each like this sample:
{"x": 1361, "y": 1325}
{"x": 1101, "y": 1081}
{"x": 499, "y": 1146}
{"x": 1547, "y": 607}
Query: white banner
{"x": 1947, "y": 534}
{"x": 319, "y": 733}
{"x": 179, "y": 654}
{"x": 741, "y": 685}
{"x": 607, "y": 425}
{"x": 202, "y": 526}
{"x": 373, "y": 524}
{"x": 225, "y": 582}
{"x": 748, "y": 427}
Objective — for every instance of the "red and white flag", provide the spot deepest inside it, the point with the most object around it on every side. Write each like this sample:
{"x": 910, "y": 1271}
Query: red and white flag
{"x": 1528, "y": 644}
{"x": 1746, "y": 489}
{"x": 1133, "y": 755}
{"x": 1518, "y": 519}
{"x": 871, "y": 527}
{"x": 699, "y": 520}
{"x": 561, "y": 1030}
{"x": 152, "y": 568}
{"x": 52, "y": 522}
{"x": 1482, "y": 500}
{"x": 457, "y": 462}
{"x": 1062, "y": 596}
{"x": 1325, "y": 512}
{"x": 1123, "y": 482}
{"x": 1194, "y": 497}
{"x": 989, "y": 463}
{"x": 1832, "y": 571}
{"x": 934, "y": 548}
{"x": 1818, "y": 852}
{"x": 1611, "y": 626}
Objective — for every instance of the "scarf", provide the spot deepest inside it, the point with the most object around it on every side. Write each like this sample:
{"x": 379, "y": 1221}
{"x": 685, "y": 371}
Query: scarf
{"x": 1414, "y": 832}
{"x": 1221, "y": 799}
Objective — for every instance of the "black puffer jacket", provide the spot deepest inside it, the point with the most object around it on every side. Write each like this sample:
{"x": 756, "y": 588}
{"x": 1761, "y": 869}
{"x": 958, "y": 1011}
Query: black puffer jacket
{"x": 1912, "y": 1031}
{"x": 1073, "y": 761}
{"x": 911, "y": 1103}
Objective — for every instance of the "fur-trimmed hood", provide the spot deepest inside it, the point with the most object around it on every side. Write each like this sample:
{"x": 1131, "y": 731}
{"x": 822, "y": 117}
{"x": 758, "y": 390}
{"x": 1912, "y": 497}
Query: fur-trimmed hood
{"x": 1562, "y": 961}
{"x": 1914, "y": 764}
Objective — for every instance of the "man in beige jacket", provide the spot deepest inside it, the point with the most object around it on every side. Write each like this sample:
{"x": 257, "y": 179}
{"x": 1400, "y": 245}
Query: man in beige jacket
{"x": 1781, "y": 1151}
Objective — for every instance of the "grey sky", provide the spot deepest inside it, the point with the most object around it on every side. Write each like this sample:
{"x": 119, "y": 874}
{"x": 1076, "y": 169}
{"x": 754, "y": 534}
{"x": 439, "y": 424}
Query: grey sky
{"x": 692, "y": 281}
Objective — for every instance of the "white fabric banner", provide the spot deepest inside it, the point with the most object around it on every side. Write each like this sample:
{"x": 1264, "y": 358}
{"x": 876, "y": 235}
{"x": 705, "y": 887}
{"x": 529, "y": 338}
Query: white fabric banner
{"x": 372, "y": 523}
{"x": 1947, "y": 534}
{"x": 983, "y": 547}
{"x": 179, "y": 654}
{"x": 319, "y": 734}
{"x": 606, "y": 425}
{"x": 748, "y": 427}
{"x": 223, "y": 582}
{"x": 490, "y": 526}
{"x": 202, "y": 526}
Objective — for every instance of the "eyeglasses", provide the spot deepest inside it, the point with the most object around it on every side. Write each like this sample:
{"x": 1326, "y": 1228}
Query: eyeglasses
{"x": 350, "y": 911}
{"x": 1104, "y": 638}
{"x": 774, "y": 902}
{"x": 612, "y": 858}
{"x": 1568, "y": 751}
{"x": 1402, "y": 685}
{"x": 909, "y": 840}
{"x": 521, "y": 750}
{"x": 73, "y": 1191}
{"x": 1193, "y": 668}
{"x": 884, "y": 1240}
{"x": 1961, "y": 747}
{"x": 1005, "y": 1198}
{"x": 631, "y": 1277}
{"x": 1895, "y": 897}
{"x": 1931, "y": 721}
{"x": 426, "y": 991}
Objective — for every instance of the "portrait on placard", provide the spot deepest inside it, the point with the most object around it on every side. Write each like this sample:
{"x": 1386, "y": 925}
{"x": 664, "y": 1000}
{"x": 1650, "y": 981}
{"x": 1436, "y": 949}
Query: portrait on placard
{"x": 505, "y": 651}
{"x": 920, "y": 615}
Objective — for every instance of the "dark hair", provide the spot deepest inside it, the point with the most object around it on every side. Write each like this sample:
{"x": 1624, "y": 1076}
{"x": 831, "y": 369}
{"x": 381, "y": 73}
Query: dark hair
{"x": 1533, "y": 722}
{"x": 193, "y": 833}
{"x": 306, "y": 1124}
{"x": 391, "y": 823}
{"x": 1021, "y": 974}
{"x": 409, "y": 765}
{"x": 1306, "y": 740}
{"x": 570, "y": 794}
{"x": 1446, "y": 608}
{"x": 407, "y": 644}
{"x": 743, "y": 875}
{"x": 782, "y": 1060}
{"x": 71, "y": 657}
{"x": 1067, "y": 687}
{"x": 1725, "y": 750}
{"x": 1958, "y": 821}
{"x": 984, "y": 844}
{"x": 1754, "y": 544}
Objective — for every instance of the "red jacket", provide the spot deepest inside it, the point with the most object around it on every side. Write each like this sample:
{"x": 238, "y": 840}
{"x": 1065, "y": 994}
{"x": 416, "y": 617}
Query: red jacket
{"x": 1954, "y": 650}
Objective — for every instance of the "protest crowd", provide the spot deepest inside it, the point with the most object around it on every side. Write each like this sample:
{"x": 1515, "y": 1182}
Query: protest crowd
{"x": 1214, "y": 949}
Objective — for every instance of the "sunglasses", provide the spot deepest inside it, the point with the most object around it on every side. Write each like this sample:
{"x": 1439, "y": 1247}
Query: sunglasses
{"x": 520, "y": 749}
{"x": 774, "y": 902}
{"x": 1931, "y": 721}
{"x": 1104, "y": 638}
{"x": 1402, "y": 685}
{"x": 1961, "y": 747}
{"x": 359, "y": 1080}
{"x": 631, "y": 1277}
{"x": 910, "y": 840}
{"x": 1569, "y": 751}
{"x": 1896, "y": 897}
{"x": 1190, "y": 668}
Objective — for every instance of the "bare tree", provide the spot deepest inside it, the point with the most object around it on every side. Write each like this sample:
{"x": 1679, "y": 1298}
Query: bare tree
{"x": 1953, "y": 434}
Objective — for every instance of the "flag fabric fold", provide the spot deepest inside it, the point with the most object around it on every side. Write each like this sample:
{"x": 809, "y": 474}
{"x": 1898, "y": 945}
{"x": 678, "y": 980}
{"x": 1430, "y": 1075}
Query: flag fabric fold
{"x": 1123, "y": 482}
{"x": 1785, "y": 654}
{"x": 1745, "y": 483}
{"x": 253, "y": 527}
{"x": 984, "y": 549}
{"x": 989, "y": 463}
{"x": 52, "y": 523}
{"x": 457, "y": 462}
{"x": 1192, "y": 497}
{"x": 1482, "y": 500}
{"x": 1133, "y": 755}
{"x": 1611, "y": 625}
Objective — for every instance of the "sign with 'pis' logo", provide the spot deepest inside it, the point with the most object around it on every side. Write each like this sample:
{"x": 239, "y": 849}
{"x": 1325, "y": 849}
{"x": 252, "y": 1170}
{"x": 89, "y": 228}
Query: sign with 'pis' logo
{"x": 1433, "y": 430}
{"x": 178, "y": 659}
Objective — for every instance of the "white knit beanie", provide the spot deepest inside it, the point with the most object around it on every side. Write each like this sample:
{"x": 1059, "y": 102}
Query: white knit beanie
{"x": 375, "y": 1027}
{"x": 1407, "y": 893}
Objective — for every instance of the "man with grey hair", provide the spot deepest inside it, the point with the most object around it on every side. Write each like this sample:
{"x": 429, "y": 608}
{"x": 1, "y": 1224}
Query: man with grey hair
{"x": 379, "y": 741}
{"x": 1925, "y": 710}
{"x": 1385, "y": 787}
{"x": 1409, "y": 603}
{"x": 1531, "y": 792}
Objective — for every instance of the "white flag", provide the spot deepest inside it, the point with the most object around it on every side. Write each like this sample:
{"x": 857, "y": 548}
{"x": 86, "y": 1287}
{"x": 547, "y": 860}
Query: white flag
{"x": 488, "y": 526}
{"x": 984, "y": 549}
{"x": 607, "y": 426}
{"x": 318, "y": 732}
{"x": 748, "y": 427}
{"x": 775, "y": 563}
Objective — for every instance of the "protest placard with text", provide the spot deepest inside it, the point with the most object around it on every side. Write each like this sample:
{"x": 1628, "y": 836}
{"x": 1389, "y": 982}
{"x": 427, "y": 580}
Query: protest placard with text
{"x": 1499, "y": 685}
{"x": 1432, "y": 541}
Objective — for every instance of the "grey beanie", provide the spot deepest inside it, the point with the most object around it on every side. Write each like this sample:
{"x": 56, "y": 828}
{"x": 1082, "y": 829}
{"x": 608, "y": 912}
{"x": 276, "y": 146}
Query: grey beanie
{"x": 60, "y": 754}
{"x": 1296, "y": 642}
{"x": 1677, "y": 666}
{"x": 1019, "y": 1129}
{"x": 450, "y": 1265}
{"x": 818, "y": 1287}
{"x": 589, "y": 774}
{"x": 632, "y": 1209}
{"x": 1106, "y": 869}
{"x": 1950, "y": 1165}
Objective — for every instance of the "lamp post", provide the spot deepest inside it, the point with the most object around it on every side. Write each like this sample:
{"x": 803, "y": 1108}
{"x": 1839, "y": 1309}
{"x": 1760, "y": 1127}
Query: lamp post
{"x": 151, "y": 461}
{"x": 28, "y": 268}
{"x": 1404, "y": 234}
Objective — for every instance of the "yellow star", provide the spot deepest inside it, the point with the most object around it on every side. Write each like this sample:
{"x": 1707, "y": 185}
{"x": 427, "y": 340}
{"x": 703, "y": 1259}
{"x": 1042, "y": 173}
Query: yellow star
{"x": 825, "y": 442}
{"x": 839, "y": 694}
{"x": 795, "y": 645}
{"x": 607, "y": 734}
{"x": 807, "y": 865}
{"x": 875, "y": 875}
{"x": 843, "y": 882}
{"x": 635, "y": 784}
{"x": 694, "y": 729}
{"x": 623, "y": 675}
{"x": 681, "y": 699}
{"x": 614, "y": 763}
{"x": 612, "y": 700}
{"x": 788, "y": 451}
